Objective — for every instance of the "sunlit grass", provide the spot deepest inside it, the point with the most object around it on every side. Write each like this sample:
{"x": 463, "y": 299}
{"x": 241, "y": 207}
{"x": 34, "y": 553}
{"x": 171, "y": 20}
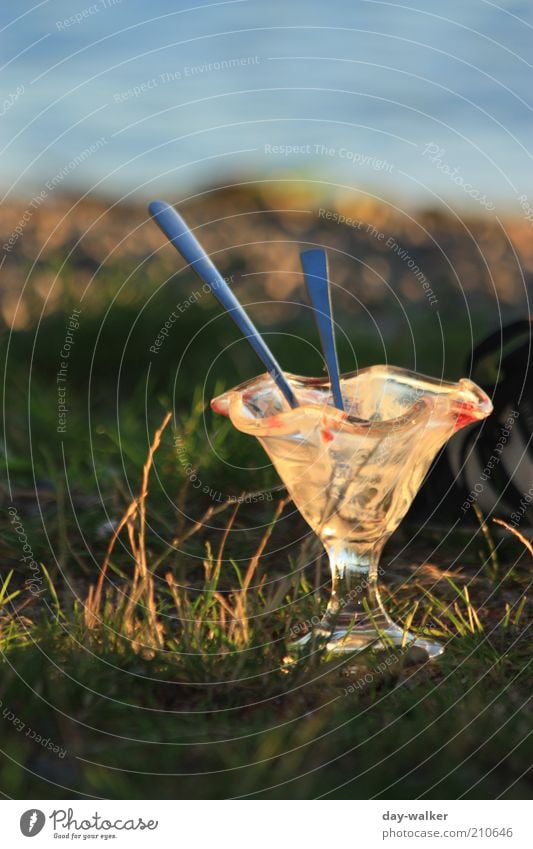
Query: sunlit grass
{"x": 164, "y": 621}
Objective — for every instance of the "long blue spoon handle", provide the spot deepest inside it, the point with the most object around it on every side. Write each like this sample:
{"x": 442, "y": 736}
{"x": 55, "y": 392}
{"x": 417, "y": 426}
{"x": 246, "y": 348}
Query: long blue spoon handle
{"x": 173, "y": 226}
{"x": 315, "y": 266}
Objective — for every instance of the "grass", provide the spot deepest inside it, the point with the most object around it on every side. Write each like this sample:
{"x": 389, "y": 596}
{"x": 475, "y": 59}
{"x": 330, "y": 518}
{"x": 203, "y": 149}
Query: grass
{"x": 150, "y": 661}
{"x": 161, "y": 674}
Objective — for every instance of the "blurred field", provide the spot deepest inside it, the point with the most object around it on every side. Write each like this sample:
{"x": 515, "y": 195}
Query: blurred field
{"x": 167, "y": 682}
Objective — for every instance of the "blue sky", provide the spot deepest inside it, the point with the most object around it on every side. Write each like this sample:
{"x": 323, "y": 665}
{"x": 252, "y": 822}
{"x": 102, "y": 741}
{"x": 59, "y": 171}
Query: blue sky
{"x": 424, "y": 102}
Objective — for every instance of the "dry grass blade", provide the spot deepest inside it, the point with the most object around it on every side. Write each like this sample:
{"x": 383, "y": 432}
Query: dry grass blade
{"x": 254, "y": 561}
{"x": 134, "y": 520}
{"x": 527, "y": 543}
{"x": 199, "y": 525}
{"x": 227, "y": 530}
{"x": 240, "y": 612}
{"x": 493, "y": 556}
{"x": 226, "y": 611}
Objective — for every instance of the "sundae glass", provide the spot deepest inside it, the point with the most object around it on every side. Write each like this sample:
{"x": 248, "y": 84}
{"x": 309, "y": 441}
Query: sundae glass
{"x": 353, "y": 474}
{"x": 352, "y": 450}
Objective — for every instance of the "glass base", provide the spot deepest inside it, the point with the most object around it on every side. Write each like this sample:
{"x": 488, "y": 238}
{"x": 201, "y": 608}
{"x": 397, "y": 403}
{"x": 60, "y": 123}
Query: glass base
{"x": 352, "y": 639}
{"x": 355, "y": 619}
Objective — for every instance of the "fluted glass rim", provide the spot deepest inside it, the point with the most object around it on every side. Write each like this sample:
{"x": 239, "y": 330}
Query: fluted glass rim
{"x": 233, "y": 403}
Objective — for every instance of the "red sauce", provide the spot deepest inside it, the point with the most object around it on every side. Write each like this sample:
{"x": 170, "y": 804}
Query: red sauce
{"x": 219, "y": 407}
{"x": 467, "y": 413}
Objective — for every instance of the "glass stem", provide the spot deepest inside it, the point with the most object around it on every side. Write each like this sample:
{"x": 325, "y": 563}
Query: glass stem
{"x": 355, "y": 600}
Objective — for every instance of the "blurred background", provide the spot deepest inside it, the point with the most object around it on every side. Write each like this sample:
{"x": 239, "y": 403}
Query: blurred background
{"x": 268, "y": 124}
{"x": 397, "y": 137}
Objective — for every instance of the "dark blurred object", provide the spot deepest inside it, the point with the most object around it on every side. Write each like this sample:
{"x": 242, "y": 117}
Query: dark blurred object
{"x": 490, "y": 464}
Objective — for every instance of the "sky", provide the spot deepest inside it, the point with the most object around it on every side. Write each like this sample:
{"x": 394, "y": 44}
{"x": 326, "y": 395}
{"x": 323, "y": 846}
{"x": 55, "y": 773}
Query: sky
{"x": 427, "y": 103}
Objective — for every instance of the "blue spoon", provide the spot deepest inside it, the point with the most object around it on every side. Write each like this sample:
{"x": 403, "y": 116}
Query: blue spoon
{"x": 173, "y": 226}
{"x": 315, "y": 266}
